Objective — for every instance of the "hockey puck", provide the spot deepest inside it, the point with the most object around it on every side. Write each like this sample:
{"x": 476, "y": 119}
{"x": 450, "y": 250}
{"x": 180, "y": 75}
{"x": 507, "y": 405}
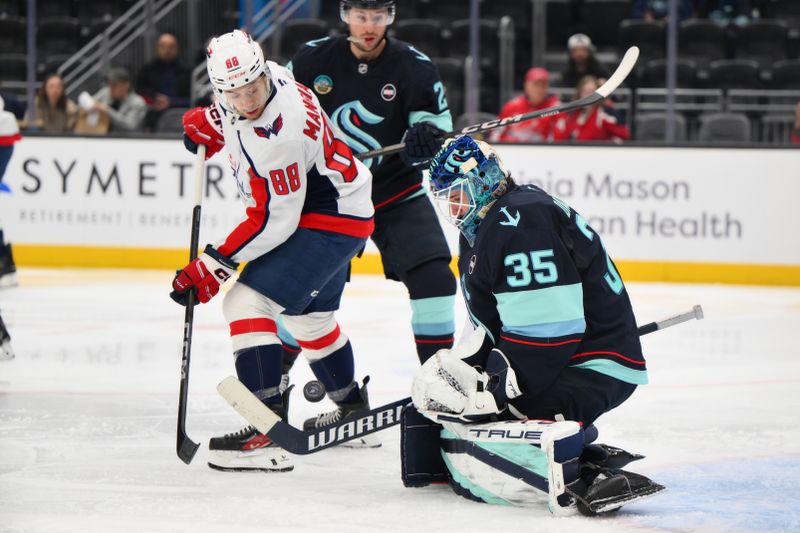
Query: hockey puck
{"x": 314, "y": 391}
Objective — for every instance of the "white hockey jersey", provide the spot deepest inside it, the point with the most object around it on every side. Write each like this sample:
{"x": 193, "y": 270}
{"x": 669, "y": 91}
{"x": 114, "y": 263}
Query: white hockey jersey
{"x": 9, "y": 131}
{"x": 293, "y": 171}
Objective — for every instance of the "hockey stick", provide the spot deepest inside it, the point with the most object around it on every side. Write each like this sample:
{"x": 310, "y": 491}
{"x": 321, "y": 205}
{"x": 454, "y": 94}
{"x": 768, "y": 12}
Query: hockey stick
{"x": 301, "y": 442}
{"x": 616, "y": 79}
{"x": 185, "y": 446}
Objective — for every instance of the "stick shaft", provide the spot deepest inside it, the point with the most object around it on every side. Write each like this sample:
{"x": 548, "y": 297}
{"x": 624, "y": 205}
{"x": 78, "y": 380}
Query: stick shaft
{"x": 186, "y": 447}
{"x": 626, "y": 65}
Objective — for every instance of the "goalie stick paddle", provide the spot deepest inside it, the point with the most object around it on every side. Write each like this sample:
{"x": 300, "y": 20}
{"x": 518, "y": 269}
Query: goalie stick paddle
{"x": 301, "y": 442}
{"x": 625, "y": 67}
{"x": 185, "y": 446}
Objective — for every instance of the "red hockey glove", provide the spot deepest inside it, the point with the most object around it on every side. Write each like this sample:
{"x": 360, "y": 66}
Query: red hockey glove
{"x": 199, "y": 130}
{"x": 206, "y": 274}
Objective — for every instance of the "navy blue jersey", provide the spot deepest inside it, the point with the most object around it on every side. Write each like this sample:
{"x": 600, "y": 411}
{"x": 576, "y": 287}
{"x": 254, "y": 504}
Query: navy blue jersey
{"x": 374, "y": 102}
{"x": 542, "y": 284}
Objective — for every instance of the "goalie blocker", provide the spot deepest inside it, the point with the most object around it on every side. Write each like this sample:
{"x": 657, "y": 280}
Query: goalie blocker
{"x": 522, "y": 463}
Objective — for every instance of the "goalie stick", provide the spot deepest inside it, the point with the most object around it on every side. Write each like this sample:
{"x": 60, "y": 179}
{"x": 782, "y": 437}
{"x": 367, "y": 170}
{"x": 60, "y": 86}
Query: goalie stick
{"x": 301, "y": 442}
{"x": 616, "y": 79}
{"x": 186, "y": 447}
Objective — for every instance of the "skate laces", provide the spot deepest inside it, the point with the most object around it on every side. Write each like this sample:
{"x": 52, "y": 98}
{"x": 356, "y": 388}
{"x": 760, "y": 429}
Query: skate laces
{"x": 241, "y": 433}
{"x": 331, "y": 417}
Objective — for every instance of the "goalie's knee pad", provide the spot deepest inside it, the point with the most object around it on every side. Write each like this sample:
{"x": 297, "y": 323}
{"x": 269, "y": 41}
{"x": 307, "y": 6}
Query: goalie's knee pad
{"x": 420, "y": 453}
{"x": 519, "y": 463}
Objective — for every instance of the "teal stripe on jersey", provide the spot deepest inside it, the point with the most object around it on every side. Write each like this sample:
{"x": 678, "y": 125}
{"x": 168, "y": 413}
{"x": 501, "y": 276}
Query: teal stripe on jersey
{"x": 433, "y": 316}
{"x": 561, "y": 303}
{"x": 443, "y": 121}
{"x": 283, "y": 333}
{"x": 615, "y": 370}
{"x": 421, "y": 192}
{"x": 553, "y": 329}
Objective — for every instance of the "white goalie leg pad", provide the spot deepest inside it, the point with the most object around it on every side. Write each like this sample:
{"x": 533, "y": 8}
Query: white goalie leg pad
{"x": 251, "y": 317}
{"x": 524, "y": 463}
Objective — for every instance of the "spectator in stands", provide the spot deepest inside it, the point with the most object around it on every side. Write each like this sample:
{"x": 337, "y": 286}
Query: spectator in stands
{"x": 659, "y": 9}
{"x": 536, "y": 96}
{"x": 726, "y": 12}
{"x": 582, "y": 61}
{"x": 590, "y": 123}
{"x": 125, "y": 108}
{"x": 796, "y": 130}
{"x": 55, "y": 113}
{"x": 165, "y": 81}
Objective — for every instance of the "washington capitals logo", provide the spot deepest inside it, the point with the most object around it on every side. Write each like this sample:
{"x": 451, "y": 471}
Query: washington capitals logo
{"x": 268, "y": 132}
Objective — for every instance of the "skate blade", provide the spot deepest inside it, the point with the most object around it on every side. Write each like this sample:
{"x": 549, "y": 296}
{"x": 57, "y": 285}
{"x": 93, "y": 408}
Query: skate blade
{"x": 610, "y": 504}
{"x": 262, "y": 460}
{"x": 367, "y": 441}
{"x": 248, "y": 469}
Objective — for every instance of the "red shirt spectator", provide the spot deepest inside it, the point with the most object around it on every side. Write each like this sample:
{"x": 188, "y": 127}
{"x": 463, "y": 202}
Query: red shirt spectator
{"x": 589, "y": 124}
{"x": 537, "y": 85}
{"x": 796, "y": 130}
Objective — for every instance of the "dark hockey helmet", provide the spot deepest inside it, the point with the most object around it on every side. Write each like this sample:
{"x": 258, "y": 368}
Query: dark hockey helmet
{"x": 389, "y": 5}
{"x": 466, "y": 176}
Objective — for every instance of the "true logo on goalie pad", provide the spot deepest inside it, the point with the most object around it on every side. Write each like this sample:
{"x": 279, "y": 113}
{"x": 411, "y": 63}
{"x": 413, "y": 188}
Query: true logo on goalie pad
{"x": 356, "y": 427}
{"x": 505, "y": 434}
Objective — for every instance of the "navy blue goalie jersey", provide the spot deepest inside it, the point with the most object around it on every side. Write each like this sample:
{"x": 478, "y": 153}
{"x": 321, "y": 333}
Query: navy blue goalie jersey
{"x": 374, "y": 102}
{"x": 540, "y": 281}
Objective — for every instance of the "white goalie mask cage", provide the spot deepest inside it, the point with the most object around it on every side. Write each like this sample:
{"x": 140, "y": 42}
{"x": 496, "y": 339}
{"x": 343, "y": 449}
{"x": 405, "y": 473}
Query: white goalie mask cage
{"x": 233, "y": 60}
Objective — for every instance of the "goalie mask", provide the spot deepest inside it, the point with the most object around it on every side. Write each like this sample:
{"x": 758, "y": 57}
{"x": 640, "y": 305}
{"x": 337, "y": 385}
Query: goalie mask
{"x": 234, "y": 60}
{"x": 466, "y": 177}
{"x": 379, "y": 19}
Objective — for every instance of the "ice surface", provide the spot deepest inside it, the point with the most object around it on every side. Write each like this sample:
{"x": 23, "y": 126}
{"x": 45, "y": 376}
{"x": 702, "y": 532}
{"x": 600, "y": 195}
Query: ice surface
{"x": 88, "y": 410}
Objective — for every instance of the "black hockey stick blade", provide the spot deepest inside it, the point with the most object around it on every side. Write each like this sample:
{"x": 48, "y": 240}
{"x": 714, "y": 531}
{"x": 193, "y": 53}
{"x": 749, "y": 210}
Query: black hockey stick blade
{"x": 301, "y": 442}
{"x": 623, "y": 70}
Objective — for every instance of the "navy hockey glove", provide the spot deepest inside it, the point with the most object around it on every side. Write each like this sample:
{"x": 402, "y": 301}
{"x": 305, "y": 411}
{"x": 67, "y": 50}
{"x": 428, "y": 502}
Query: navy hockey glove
{"x": 206, "y": 274}
{"x": 422, "y": 141}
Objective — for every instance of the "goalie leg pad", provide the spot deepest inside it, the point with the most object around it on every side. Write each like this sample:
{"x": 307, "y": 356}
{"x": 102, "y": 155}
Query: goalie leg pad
{"x": 523, "y": 463}
{"x": 421, "y": 459}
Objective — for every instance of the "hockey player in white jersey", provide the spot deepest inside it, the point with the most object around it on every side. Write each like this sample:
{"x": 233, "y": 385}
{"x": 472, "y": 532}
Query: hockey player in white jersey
{"x": 308, "y": 211}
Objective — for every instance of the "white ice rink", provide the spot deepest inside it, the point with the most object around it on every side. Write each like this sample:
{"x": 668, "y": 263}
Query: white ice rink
{"x": 88, "y": 409}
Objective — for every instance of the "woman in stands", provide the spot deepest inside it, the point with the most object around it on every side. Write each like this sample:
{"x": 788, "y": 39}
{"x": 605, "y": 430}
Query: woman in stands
{"x": 55, "y": 113}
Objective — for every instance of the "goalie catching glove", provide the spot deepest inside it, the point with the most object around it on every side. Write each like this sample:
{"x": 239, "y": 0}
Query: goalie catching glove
{"x": 446, "y": 388}
{"x": 206, "y": 274}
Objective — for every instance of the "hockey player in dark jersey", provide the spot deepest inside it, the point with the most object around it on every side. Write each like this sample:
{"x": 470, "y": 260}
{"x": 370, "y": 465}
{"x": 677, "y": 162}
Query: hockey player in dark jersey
{"x": 556, "y": 336}
{"x": 380, "y": 91}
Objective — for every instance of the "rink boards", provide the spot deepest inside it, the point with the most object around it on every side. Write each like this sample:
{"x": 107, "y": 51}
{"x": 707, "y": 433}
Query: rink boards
{"x": 665, "y": 214}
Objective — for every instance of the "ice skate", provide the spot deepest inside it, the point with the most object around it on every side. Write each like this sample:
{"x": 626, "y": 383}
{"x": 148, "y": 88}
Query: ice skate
{"x": 248, "y": 450}
{"x": 345, "y": 411}
{"x": 611, "y": 489}
{"x": 8, "y": 270}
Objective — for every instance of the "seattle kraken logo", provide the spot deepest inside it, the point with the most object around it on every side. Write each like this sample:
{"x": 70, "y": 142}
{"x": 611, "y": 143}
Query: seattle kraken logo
{"x": 350, "y": 118}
